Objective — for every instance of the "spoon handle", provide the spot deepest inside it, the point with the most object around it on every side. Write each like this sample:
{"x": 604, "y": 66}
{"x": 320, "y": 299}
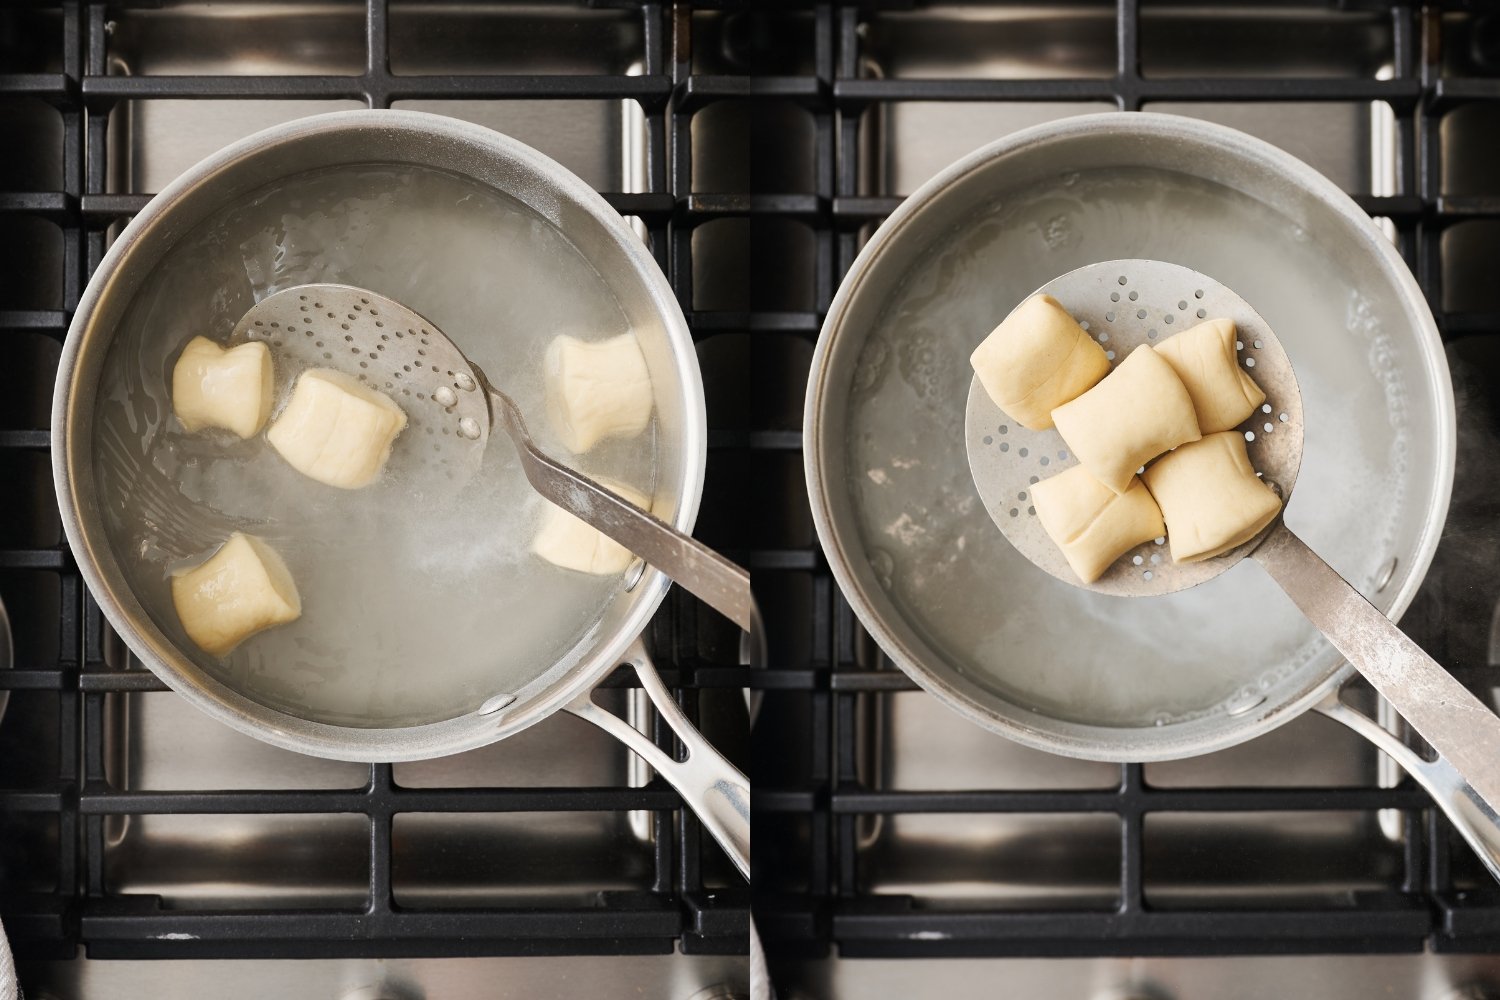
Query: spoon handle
{"x": 706, "y": 574}
{"x": 1437, "y": 706}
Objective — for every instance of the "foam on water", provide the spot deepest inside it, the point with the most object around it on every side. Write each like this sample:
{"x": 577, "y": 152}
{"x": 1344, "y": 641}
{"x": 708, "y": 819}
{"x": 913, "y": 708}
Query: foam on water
{"x": 1034, "y": 639}
{"x": 412, "y": 612}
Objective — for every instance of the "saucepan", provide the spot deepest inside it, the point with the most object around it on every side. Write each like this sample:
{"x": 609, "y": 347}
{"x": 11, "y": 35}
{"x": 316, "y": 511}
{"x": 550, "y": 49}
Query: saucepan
{"x": 441, "y": 631}
{"x": 1051, "y": 665}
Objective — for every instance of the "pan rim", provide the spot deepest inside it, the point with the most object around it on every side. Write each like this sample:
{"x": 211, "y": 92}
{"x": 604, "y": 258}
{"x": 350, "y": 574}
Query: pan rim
{"x": 101, "y": 574}
{"x": 1085, "y": 740}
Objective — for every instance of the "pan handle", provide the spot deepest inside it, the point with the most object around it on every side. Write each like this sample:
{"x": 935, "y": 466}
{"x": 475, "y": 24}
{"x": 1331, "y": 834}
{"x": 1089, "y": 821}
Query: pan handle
{"x": 1475, "y": 821}
{"x": 717, "y": 791}
{"x": 1465, "y": 781}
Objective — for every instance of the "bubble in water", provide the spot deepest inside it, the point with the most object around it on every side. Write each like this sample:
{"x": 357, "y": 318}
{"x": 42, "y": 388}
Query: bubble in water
{"x": 469, "y": 428}
{"x": 444, "y": 396}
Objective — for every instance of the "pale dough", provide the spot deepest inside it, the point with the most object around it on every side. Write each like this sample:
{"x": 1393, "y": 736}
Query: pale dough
{"x": 1091, "y": 523}
{"x": 242, "y": 589}
{"x": 336, "y": 429}
{"x": 597, "y": 390}
{"x": 566, "y": 541}
{"x": 1140, "y": 410}
{"x": 1210, "y": 496}
{"x": 215, "y": 387}
{"x": 1204, "y": 358}
{"x": 1037, "y": 359}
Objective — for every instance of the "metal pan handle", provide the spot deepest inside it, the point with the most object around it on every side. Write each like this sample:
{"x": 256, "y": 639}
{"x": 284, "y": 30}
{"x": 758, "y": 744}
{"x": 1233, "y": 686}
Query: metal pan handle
{"x": 717, "y": 791}
{"x": 1465, "y": 780}
{"x": 1475, "y": 821}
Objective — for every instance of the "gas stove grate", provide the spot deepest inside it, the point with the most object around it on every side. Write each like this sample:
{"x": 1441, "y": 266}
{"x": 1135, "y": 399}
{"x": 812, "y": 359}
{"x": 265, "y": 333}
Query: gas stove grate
{"x": 62, "y": 789}
{"x": 811, "y": 797}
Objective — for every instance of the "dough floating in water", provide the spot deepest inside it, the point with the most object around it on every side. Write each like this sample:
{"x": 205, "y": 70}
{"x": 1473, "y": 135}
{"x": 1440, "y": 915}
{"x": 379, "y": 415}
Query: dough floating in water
{"x": 1037, "y": 359}
{"x": 217, "y": 387}
{"x": 569, "y": 542}
{"x": 336, "y": 429}
{"x": 597, "y": 390}
{"x": 242, "y": 589}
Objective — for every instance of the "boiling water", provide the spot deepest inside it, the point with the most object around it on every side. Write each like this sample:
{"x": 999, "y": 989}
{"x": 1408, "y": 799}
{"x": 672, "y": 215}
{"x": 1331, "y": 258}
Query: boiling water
{"x": 411, "y": 613}
{"x": 1060, "y": 649}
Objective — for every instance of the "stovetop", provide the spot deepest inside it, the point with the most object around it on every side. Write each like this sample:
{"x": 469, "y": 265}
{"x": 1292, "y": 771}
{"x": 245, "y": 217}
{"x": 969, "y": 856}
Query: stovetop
{"x": 134, "y": 828}
{"x": 899, "y": 850}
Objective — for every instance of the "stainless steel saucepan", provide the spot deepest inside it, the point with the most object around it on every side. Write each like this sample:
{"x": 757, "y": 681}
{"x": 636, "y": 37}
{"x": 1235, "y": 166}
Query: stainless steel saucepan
{"x": 1037, "y": 659}
{"x": 229, "y": 273}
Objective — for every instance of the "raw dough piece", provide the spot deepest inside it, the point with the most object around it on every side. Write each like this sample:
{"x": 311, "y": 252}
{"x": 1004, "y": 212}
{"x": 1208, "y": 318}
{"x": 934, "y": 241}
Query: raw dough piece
{"x": 597, "y": 390}
{"x": 242, "y": 589}
{"x": 215, "y": 387}
{"x": 1037, "y": 359}
{"x": 1140, "y": 410}
{"x": 336, "y": 429}
{"x": 1210, "y": 496}
{"x": 1205, "y": 359}
{"x": 566, "y": 541}
{"x": 1092, "y": 524}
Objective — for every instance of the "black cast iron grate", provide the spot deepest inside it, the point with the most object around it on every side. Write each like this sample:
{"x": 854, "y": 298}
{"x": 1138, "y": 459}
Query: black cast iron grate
{"x": 56, "y": 54}
{"x": 810, "y": 795}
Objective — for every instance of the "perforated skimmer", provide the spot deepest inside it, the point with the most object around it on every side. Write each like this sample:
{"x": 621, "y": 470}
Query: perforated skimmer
{"x": 450, "y": 405}
{"x": 1125, "y": 303}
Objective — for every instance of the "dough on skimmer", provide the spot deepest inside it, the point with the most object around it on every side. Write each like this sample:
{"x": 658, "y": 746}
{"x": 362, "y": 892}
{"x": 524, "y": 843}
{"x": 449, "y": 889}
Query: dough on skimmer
{"x": 217, "y": 387}
{"x": 569, "y": 542}
{"x": 1091, "y": 523}
{"x": 1204, "y": 358}
{"x": 336, "y": 429}
{"x": 597, "y": 390}
{"x": 1210, "y": 497}
{"x": 1037, "y": 359}
{"x": 1140, "y": 410}
{"x": 242, "y": 589}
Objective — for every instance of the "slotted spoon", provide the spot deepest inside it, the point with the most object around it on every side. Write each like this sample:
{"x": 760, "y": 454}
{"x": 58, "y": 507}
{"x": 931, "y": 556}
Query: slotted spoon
{"x": 450, "y": 406}
{"x": 1126, "y": 303}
